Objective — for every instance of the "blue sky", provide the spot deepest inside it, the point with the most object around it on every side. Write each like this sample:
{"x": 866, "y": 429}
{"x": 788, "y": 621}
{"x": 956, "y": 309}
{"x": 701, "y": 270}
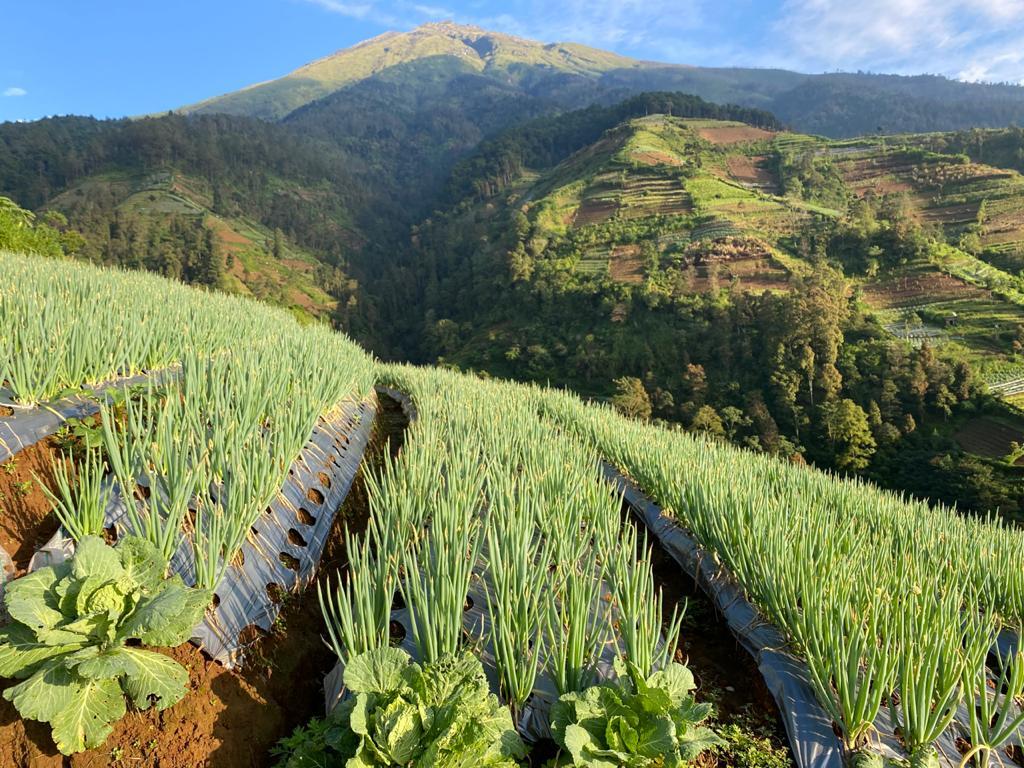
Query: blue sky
{"x": 118, "y": 57}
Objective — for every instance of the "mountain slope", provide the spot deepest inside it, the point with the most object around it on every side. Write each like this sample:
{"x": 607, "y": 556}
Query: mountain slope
{"x": 239, "y": 203}
{"x": 497, "y": 55}
{"x": 151, "y": 212}
{"x": 747, "y": 282}
{"x": 664, "y": 208}
{"x": 567, "y": 76}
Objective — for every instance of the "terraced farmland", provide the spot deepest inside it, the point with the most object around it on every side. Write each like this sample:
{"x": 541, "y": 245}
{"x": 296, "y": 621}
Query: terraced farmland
{"x": 148, "y": 203}
{"x": 990, "y": 438}
{"x": 945, "y": 190}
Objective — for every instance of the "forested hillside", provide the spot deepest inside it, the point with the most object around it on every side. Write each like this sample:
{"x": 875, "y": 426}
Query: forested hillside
{"x": 834, "y": 302}
{"x": 225, "y": 201}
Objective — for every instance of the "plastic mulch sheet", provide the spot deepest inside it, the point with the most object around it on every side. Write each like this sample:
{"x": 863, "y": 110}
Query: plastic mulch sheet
{"x": 27, "y": 426}
{"x": 534, "y": 721}
{"x": 807, "y": 724}
{"x": 6, "y": 573}
{"x": 282, "y": 548}
{"x": 809, "y": 728}
{"x": 408, "y": 407}
{"x": 284, "y": 545}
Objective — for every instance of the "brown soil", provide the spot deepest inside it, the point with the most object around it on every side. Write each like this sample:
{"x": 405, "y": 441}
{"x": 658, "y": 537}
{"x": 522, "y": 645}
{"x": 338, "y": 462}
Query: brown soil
{"x": 951, "y": 214}
{"x": 626, "y": 266}
{"x": 989, "y": 438}
{"x": 737, "y": 134}
{"x": 26, "y": 521}
{"x": 725, "y": 673}
{"x": 594, "y": 211}
{"x": 756, "y": 281}
{"x": 653, "y": 157}
{"x": 883, "y": 186}
{"x": 229, "y": 717}
{"x": 230, "y": 240}
{"x": 675, "y": 205}
{"x": 919, "y": 288}
{"x": 302, "y": 299}
{"x": 751, "y": 171}
{"x": 865, "y": 169}
{"x": 1004, "y": 228}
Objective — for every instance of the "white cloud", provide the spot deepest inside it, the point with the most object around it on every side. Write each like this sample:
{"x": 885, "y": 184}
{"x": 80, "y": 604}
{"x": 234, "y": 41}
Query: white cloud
{"x": 367, "y": 11}
{"x": 972, "y": 39}
{"x": 623, "y": 23}
{"x": 609, "y": 23}
{"x": 434, "y": 11}
{"x": 15, "y": 91}
{"x": 353, "y": 10}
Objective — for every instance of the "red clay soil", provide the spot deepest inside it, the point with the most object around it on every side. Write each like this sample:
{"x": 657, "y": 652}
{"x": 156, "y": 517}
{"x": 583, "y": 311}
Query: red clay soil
{"x": 25, "y": 519}
{"x": 229, "y": 718}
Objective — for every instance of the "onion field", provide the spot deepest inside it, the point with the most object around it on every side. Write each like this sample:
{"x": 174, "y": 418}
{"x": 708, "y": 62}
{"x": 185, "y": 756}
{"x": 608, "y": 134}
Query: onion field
{"x": 495, "y": 598}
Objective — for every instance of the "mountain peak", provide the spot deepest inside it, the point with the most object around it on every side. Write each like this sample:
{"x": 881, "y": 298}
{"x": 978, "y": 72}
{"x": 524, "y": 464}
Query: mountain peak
{"x": 451, "y": 28}
{"x": 472, "y": 46}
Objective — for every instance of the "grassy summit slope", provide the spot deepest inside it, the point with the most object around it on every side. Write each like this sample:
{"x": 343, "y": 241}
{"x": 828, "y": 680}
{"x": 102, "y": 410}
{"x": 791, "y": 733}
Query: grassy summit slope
{"x": 569, "y": 75}
{"x": 498, "y": 55}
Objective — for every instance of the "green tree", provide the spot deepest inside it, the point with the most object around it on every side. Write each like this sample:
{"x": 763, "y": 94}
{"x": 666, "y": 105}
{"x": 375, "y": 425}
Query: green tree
{"x": 707, "y": 420}
{"x": 211, "y": 266}
{"x": 278, "y": 247}
{"x": 846, "y": 425}
{"x": 631, "y": 399}
{"x": 20, "y": 232}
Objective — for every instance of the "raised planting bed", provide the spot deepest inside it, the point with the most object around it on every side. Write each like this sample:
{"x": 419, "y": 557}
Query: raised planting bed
{"x": 476, "y": 545}
{"x": 233, "y": 716}
{"x": 812, "y": 734}
{"x": 22, "y": 427}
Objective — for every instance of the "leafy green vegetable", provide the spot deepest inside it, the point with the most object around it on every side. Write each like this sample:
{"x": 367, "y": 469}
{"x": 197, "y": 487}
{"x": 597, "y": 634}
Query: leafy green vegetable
{"x": 68, "y": 639}
{"x": 399, "y": 713}
{"x": 634, "y": 721}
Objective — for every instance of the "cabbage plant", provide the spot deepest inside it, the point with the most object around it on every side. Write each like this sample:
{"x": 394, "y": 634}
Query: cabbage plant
{"x": 634, "y": 721}
{"x": 74, "y": 639}
{"x": 400, "y": 713}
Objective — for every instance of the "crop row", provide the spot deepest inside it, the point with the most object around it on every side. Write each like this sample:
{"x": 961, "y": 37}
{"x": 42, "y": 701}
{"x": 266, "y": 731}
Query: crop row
{"x": 199, "y": 453}
{"x": 881, "y": 595}
{"x": 486, "y": 496}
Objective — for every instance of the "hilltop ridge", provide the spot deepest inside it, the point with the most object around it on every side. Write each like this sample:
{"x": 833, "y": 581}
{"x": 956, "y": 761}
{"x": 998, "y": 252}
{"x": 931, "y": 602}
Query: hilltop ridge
{"x": 549, "y": 77}
{"x": 476, "y": 48}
